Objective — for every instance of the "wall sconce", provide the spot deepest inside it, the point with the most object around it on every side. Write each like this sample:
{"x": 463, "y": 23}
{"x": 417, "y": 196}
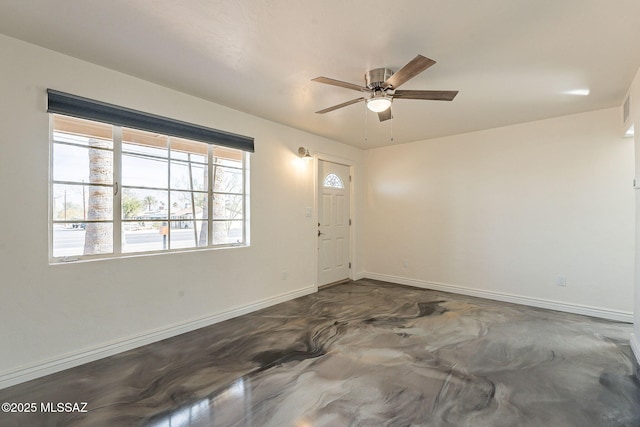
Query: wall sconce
{"x": 304, "y": 153}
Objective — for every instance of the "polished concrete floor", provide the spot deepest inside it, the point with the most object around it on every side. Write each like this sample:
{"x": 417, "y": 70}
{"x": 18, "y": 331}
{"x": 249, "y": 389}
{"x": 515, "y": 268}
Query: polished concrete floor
{"x": 365, "y": 353}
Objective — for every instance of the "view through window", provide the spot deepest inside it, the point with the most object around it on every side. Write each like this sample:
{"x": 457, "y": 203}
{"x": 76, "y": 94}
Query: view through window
{"x": 117, "y": 191}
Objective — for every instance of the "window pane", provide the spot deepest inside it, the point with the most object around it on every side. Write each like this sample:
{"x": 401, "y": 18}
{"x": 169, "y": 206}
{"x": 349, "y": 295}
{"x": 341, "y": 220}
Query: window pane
{"x": 132, "y": 205}
{"x": 184, "y": 149}
{"x": 188, "y": 205}
{"x": 143, "y": 236}
{"x": 67, "y": 240}
{"x": 227, "y": 157}
{"x": 181, "y": 171}
{"x": 98, "y": 238}
{"x": 81, "y": 202}
{"x": 226, "y": 206}
{"x": 144, "y": 150}
{"x": 227, "y": 232}
{"x": 82, "y": 239}
{"x": 68, "y": 203}
{"x": 100, "y": 203}
{"x": 78, "y": 164}
{"x": 227, "y": 180}
{"x": 188, "y": 234}
{"x": 142, "y": 204}
{"x": 140, "y": 171}
{"x": 80, "y": 131}
{"x": 141, "y": 142}
{"x": 333, "y": 181}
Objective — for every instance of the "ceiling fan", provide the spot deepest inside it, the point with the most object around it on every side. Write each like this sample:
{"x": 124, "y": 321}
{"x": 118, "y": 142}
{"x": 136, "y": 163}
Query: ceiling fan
{"x": 382, "y": 86}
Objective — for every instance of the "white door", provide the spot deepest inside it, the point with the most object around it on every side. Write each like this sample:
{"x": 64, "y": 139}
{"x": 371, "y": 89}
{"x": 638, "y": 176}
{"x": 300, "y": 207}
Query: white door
{"x": 334, "y": 194}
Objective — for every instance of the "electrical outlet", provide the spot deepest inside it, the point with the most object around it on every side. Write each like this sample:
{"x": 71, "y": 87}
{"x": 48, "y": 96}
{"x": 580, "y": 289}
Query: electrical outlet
{"x": 285, "y": 274}
{"x": 561, "y": 280}
{"x": 405, "y": 263}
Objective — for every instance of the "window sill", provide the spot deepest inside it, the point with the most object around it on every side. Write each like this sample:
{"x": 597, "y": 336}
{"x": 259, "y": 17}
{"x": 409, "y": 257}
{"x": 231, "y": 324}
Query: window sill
{"x": 110, "y": 257}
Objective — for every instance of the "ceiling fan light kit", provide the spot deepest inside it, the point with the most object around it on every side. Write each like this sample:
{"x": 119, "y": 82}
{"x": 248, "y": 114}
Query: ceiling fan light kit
{"x": 378, "y": 103}
{"x": 382, "y": 84}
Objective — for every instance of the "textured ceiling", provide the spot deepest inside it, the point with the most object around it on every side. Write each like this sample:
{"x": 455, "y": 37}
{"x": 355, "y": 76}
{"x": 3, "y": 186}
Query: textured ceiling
{"x": 513, "y": 61}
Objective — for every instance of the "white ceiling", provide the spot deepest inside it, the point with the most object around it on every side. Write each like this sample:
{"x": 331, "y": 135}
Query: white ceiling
{"x": 513, "y": 61}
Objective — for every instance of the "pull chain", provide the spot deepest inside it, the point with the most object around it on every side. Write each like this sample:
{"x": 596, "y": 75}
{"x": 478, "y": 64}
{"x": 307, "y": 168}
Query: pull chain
{"x": 366, "y": 130}
{"x": 391, "y": 120}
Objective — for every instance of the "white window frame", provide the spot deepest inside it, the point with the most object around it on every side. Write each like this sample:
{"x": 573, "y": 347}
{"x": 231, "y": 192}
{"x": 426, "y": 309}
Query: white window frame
{"x": 117, "y": 220}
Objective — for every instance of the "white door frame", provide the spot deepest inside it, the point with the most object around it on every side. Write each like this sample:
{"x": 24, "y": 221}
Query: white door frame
{"x": 316, "y": 166}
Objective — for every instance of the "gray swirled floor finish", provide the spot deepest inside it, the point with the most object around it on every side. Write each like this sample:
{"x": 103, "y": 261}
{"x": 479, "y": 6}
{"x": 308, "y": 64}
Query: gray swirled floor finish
{"x": 361, "y": 354}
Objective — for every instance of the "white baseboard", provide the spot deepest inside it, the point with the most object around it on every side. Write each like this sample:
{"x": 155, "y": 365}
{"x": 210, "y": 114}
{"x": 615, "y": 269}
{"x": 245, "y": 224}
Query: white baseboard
{"x": 635, "y": 347}
{"x": 70, "y": 360}
{"x": 605, "y": 313}
{"x": 358, "y": 275}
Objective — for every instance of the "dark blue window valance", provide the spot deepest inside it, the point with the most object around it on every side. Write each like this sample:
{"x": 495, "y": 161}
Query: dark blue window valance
{"x": 84, "y": 108}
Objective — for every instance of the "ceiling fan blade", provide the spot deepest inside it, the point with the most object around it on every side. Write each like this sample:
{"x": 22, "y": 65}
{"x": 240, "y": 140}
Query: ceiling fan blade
{"x": 435, "y": 95}
{"x": 409, "y": 71}
{"x": 344, "y": 104}
{"x": 385, "y": 115}
{"x": 334, "y": 82}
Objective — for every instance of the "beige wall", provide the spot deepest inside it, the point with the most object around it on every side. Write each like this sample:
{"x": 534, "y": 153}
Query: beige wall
{"x": 507, "y": 210}
{"x": 54, "y": 312}
{"x": 634, "y": 93}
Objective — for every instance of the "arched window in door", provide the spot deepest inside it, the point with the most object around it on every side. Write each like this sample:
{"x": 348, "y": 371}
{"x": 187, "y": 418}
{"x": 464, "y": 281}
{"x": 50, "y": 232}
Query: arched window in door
{"x": 333, "y": 181}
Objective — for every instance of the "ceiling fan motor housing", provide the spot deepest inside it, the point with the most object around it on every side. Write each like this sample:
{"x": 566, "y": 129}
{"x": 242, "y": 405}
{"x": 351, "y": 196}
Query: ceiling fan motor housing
{"x": 375, "y": 78}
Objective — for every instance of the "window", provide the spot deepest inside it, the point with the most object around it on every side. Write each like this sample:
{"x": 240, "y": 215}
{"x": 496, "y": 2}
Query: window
{"x": 117, "y": 190}
{"x": 333, "y": 181}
